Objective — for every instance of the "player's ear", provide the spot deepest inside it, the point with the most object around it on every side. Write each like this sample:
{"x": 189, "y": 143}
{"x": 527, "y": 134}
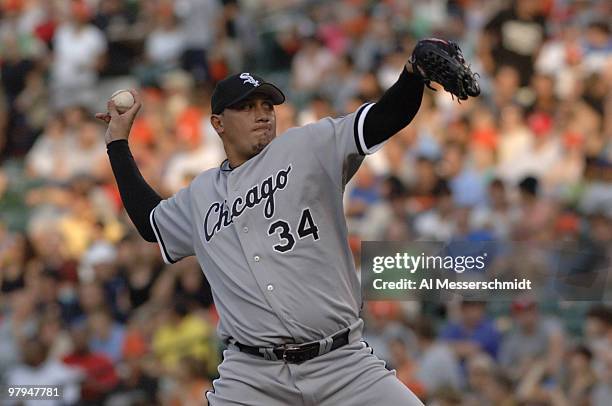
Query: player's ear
{"x": 217, "y": 123}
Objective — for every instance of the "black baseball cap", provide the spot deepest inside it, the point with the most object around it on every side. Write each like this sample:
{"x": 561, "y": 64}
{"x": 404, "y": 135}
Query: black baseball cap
{"x": 238, "y": 87}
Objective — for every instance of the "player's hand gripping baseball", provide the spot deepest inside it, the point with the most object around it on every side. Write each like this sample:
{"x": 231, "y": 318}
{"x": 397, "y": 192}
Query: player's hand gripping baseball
{"x": 119, "y": 125}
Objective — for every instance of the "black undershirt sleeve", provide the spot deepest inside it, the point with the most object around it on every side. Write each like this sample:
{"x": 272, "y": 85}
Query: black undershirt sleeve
{"x": 395, "y": 109}
{"x": 137, "y": 196}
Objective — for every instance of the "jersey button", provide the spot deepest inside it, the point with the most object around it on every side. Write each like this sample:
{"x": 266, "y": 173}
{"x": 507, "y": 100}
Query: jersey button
{"x": 270, "y": 287}
{"x": 256, "y": 258}
{"x": 246, "y": 229}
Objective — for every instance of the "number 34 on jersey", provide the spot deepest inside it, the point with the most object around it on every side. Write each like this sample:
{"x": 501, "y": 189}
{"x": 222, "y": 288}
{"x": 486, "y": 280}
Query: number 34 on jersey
{"x": 306, "y": 227}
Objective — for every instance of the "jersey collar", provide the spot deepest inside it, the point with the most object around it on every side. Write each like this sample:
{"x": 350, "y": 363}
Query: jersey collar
{"x": 225, "y": 166}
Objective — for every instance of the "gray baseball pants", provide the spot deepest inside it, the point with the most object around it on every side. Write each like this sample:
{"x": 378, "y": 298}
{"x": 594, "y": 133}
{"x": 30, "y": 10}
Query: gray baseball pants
{"x": 350, "y": 375}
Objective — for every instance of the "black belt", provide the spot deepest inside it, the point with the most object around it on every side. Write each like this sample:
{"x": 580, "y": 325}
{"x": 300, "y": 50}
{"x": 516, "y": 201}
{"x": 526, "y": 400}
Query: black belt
{"x": 296, "y": 353}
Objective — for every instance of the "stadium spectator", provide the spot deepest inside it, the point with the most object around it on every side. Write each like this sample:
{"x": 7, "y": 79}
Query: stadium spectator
{"x": 495, "y": 215}
{"x": 580, "y": 381}
{"x": 311, "y": 65}
{"x": 438, "y": 367}
{"x": 38, "y": 369}
{"x": 97, "y": 368}
{"x": 534, "y": 215}
{"x": 480, "y": 367}
{"x": 79, "y": 53}
{"x": 405, "y": 366}
{"x": 500, "y": 390}
{"x": 184, "y": 334}
{"x": 603, "y": 388}
{"x": 534, "y": 338}
{"x": 106, "y": 336}
{"x": 598, "y": 333}
{"x": 164, "y": 45}
{"x": 514, "y": 37}
{"x": 473, "y": 332}
{"x": 192, "y": 381}
{"x": 201, "y": 24}
{"x": 438, "y": 223}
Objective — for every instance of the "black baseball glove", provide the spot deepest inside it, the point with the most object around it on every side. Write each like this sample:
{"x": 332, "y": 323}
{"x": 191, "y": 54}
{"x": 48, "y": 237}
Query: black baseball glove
{"x": 442, "y": 61}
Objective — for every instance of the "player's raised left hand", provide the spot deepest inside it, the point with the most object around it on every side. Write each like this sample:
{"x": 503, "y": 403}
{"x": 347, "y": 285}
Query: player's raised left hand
{"x": 119, "y": 124}
{"x": 441, "y": 61}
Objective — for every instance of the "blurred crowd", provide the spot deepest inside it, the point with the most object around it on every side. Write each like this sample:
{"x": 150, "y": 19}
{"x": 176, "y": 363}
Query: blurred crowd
{"x": 87, "y": 304}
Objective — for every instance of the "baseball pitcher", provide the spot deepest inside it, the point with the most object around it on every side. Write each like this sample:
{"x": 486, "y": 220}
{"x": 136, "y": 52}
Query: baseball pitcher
{"x": 269, "y": 232}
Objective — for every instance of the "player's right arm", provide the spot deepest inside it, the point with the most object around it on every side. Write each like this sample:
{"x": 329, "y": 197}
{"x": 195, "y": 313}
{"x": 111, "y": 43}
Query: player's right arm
{"x": 138, "y": 198}
{"x": 157, "y": 220}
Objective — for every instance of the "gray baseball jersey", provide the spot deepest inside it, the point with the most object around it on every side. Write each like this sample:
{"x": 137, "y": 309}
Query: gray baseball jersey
{"x": 271, "y": 236}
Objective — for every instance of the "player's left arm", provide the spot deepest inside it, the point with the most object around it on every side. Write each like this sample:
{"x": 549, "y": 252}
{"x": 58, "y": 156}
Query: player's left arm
{"x": 394, "y": 111}
{"x": 433, "y": 60}
{"x": 340, "y": 144}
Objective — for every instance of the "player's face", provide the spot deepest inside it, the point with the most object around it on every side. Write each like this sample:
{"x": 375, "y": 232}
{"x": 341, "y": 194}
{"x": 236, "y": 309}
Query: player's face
{"x": 246, "y": 128}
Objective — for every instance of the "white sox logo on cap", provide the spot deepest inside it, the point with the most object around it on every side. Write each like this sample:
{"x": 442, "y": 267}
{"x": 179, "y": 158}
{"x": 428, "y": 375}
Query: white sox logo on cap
{"x": 249, "y": 79}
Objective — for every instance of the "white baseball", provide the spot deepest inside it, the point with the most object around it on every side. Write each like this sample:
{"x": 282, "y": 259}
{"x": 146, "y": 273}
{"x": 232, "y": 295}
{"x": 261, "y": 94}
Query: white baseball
{"x": 123, "y": 100}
